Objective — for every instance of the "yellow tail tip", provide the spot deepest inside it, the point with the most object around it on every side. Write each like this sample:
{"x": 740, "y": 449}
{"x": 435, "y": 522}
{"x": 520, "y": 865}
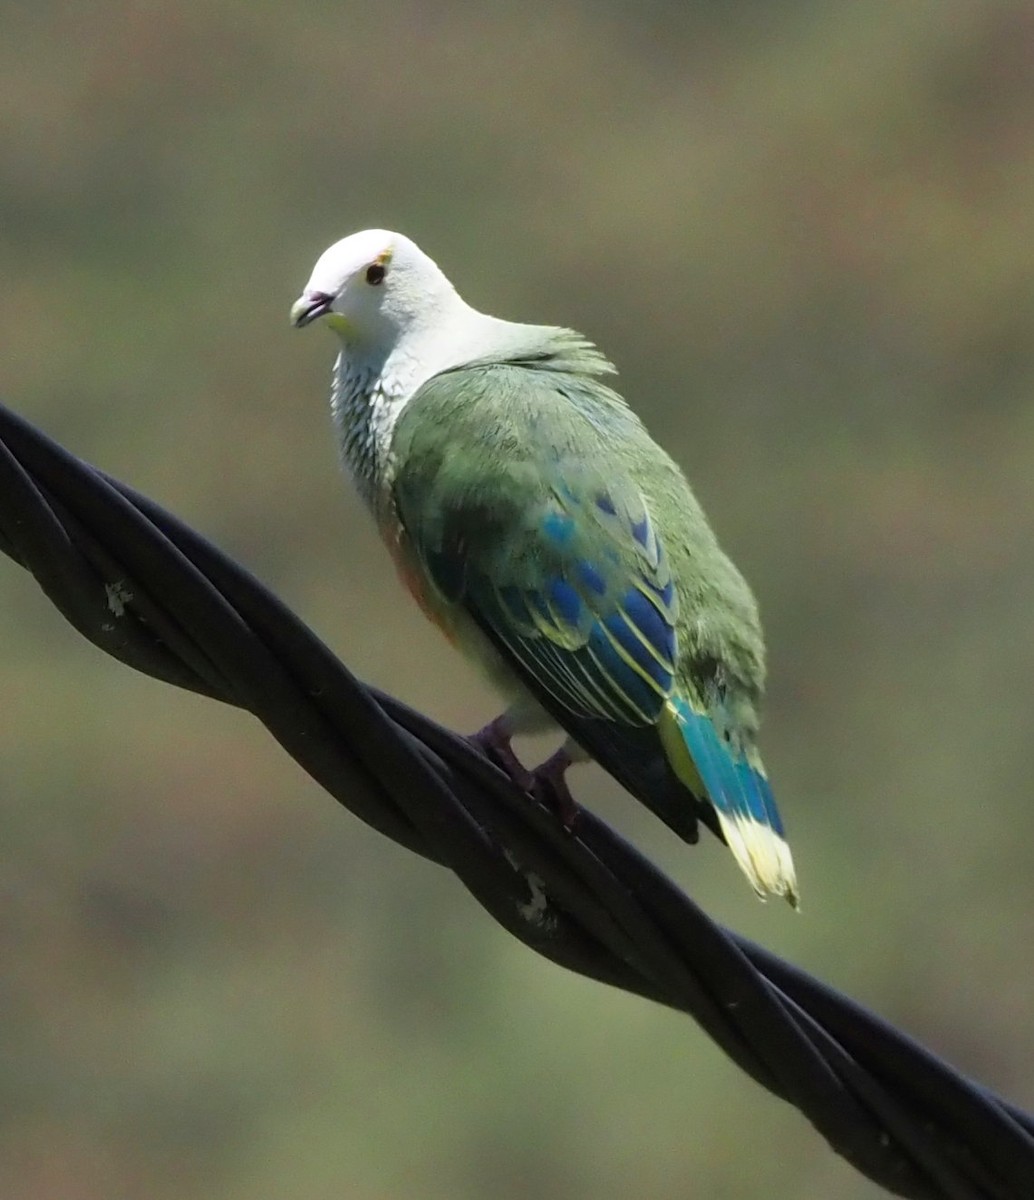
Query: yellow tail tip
{"x": 763, "y": 856}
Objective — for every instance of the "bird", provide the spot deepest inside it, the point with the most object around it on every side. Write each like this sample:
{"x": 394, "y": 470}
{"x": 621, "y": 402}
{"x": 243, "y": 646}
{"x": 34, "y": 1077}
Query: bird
{"x": 553, "y": 541}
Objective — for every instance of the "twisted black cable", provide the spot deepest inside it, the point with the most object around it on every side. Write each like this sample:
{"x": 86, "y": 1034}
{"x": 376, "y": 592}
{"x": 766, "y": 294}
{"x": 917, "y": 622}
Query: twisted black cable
{"x": 157, "y": 596}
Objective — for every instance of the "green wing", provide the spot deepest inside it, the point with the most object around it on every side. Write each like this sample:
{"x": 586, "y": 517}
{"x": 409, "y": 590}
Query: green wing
{"x": 510, "y": 492}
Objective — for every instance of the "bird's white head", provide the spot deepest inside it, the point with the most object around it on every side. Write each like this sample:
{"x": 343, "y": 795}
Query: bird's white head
{"x": 374, "y": 286}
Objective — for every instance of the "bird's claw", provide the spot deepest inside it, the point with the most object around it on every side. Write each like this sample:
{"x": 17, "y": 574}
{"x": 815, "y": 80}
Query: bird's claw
{"x": 494, "y": 743}
{"x": 550, "y": 788}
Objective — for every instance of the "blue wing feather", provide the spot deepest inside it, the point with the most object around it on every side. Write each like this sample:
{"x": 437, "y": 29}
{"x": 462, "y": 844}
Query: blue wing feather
{"x": 593, "y": 616}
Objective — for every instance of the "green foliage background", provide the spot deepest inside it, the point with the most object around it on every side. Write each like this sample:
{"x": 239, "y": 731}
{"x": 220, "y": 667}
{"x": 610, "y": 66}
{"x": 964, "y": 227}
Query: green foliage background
{"x": 805, "y": 232}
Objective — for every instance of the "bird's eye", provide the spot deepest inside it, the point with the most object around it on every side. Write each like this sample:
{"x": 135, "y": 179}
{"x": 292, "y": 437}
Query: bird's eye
{"x": 375, "y": 273}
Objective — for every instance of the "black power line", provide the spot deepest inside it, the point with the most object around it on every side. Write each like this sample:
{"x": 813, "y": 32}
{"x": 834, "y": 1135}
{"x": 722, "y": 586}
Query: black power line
{"x": 156, "y": 595}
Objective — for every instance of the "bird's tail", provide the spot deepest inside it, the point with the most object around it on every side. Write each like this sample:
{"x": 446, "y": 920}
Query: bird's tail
{"x": 734, "y": 782}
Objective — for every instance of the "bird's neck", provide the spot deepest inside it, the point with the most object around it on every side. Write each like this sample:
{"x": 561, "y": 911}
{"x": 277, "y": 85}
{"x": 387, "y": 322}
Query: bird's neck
{"x": 375, "y": 379}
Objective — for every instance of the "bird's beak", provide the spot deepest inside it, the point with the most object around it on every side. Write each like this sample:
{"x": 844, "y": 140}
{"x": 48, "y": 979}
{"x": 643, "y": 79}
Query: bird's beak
{"x": 309, "y": 307}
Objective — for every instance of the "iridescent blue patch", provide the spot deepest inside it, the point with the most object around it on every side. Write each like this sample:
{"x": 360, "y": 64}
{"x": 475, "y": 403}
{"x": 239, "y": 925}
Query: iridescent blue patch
{"x": 591, "y": 578}
{"x": 558, "y": 527}
{"x": 566, "y": 601}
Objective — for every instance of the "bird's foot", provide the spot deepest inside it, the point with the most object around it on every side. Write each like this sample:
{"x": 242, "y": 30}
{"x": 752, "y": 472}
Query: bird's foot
{"x": 550, "y": 787}
{"x": 494, "y": 742}
{"x": 546, "y": 783}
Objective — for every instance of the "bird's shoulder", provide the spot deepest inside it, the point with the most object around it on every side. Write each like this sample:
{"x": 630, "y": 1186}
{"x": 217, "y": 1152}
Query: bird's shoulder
{"x": 505, "y": 435}
{"x": 502, "y": 405}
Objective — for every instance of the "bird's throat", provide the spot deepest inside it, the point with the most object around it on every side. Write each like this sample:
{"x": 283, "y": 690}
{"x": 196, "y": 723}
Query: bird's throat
{"x": 366, "y": 403}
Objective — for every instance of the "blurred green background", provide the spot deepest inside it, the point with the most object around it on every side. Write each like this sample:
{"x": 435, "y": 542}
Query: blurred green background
{"x": 805, "y": 232}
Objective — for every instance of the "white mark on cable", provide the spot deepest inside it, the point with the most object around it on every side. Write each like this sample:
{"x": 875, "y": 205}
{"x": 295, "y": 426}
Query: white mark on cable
{"x": 535, "y": 910}
{"x": 118, "y": 596}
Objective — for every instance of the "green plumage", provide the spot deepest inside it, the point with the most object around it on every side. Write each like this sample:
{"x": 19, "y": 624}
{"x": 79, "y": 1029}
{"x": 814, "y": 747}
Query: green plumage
{"x": 487, "y": 455}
